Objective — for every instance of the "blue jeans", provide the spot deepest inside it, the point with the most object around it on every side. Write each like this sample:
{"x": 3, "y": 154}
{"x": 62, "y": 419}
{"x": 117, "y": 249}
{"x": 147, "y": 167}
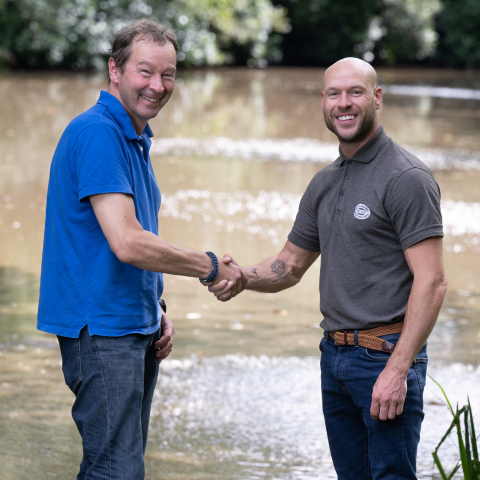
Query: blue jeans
{"x": 113, "y": 379}
{"x": 363, "y": 448}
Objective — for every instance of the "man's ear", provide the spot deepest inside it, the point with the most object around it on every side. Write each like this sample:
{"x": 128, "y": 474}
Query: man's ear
{"x": 113, "y": 71}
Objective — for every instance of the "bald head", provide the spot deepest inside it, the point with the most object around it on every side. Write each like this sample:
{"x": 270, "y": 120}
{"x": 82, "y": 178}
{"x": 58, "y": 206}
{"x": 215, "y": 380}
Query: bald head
{"x": 350, "y": 101}
{"x": 352, "y": 65}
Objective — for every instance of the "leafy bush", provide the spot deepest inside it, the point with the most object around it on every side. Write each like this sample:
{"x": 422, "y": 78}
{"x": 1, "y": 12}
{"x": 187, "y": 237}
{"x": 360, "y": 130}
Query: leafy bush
{"x": 383, "y": 31}
{"x": 458, "y": 28}
{"x": 78, "y": 34}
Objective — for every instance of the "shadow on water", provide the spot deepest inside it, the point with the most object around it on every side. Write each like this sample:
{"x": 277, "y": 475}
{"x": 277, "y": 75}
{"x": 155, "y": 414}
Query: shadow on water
{"x": 17, "y": 287}
{"x": 18, "y": 307}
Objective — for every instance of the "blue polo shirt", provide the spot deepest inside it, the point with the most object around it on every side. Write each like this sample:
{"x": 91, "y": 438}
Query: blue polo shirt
{"x": 82, "y": 280}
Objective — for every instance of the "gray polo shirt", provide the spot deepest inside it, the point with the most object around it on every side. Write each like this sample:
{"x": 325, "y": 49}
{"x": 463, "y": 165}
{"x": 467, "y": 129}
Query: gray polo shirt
{"x": 361, "y": 214}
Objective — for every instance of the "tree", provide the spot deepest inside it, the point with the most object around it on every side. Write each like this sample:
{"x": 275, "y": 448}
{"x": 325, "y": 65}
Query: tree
{"x": 458, "y": 28}
{"x": 78, "y": 34}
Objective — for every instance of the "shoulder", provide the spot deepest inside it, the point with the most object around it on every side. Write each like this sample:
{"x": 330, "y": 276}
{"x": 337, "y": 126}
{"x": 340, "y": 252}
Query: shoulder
{"x": 95, "y": 123}
{"x": 402, "y": 160}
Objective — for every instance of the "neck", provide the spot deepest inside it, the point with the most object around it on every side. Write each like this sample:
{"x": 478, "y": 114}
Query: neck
{"x": 349, "y": 149}
{"x": 114, "y": 90}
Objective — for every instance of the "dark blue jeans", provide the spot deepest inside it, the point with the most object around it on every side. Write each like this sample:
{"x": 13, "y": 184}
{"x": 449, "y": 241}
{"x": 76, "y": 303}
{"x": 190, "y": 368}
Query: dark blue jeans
{"x": 362, "y": 448}
{"x": 113, "y": 379}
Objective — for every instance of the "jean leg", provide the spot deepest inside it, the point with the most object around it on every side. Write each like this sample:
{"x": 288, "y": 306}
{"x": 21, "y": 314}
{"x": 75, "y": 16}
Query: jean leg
{"x": 346, "y": 431}
{"x": 109, "y": 403}
{"x": 150, "y": 382}
{"x": 392, "y": 444}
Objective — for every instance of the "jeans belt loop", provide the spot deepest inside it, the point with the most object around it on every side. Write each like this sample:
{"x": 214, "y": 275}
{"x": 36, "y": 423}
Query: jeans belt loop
{"x": 355, "y": 337}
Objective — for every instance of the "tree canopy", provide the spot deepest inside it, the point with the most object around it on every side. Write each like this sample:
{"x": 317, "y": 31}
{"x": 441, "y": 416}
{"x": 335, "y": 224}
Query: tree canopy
{"x": 77, "y": 34}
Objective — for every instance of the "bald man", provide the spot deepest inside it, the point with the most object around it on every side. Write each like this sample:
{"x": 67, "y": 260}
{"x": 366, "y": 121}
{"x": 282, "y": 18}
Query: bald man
{"x": 374, "y": 215}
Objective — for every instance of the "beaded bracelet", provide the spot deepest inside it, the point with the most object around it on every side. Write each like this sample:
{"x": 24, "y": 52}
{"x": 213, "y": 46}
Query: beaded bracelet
{"x": 214, "y": 272}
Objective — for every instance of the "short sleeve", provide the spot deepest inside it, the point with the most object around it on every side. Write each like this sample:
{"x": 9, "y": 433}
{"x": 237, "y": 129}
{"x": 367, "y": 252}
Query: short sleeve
{"x": 414, "y": 207}
{"x": 304, "y": 233}
{"x": 100, "y": 164}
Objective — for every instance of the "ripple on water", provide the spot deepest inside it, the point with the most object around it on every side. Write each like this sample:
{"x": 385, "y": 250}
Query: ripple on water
{"x": 246, "y": 212}
{"x": 429, "y": 91}
{"x": 263, "y": 415}
{"x": 299, "y": 150}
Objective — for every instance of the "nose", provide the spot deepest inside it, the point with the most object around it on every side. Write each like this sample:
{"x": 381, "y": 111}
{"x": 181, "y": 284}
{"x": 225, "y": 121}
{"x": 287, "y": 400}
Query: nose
{"x": 156, "y": 84}
{"x": 344, "y": 100}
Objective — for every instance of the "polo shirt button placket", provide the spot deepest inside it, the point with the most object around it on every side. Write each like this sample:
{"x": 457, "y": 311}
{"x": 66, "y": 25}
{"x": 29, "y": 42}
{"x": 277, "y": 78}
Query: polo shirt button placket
{"x": 341, "y": 200}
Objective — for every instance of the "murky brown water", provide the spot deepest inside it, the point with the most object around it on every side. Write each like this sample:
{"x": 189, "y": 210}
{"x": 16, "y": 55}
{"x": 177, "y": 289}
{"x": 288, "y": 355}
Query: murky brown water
{"x": 234, "y": 151}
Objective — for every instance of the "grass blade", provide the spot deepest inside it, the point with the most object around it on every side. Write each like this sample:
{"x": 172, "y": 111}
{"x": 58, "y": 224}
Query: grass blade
{"x": 461, "y": 445}
{"x": 439, "y": 466}
{"x": 472, "y": 433}
{"x": 444, "y": 394}
{"x": 467, "y": 445}
{"x": 454, "y": 471}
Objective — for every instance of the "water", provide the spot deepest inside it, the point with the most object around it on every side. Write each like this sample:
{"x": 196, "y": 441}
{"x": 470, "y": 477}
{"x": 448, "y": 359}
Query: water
{"x": 239, "y": 398}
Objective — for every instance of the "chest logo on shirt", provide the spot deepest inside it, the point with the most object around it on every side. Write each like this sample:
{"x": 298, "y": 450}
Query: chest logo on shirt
{"x": 362, "y": 211}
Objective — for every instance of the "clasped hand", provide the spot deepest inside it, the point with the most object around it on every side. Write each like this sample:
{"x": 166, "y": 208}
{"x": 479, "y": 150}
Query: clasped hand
{"x": 230, "y": 281}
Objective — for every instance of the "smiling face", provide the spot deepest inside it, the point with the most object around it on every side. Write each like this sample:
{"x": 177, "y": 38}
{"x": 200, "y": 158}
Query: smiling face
{"x": 147, "y": 81}
{"x": 349, "y": 103}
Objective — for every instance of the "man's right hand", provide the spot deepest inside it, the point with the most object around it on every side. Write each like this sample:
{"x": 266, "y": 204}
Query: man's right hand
{"x": 224, "y": 286}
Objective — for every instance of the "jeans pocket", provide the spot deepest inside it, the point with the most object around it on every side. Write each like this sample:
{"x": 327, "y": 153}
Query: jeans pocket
{"x": 71, "y": 364}
{"x": 379, "y": 356}
{"x": 376, "y": 355}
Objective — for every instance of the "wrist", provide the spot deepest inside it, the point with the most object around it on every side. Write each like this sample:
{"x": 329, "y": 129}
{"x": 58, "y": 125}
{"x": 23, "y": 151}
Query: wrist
{"x": 213, "y": 274}
{"x": 397, "y": 367}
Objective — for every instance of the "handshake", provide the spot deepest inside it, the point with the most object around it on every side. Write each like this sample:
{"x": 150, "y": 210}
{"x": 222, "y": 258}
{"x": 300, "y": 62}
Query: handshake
{"x": 272, "y": 275}
{"x": 231, "y": 280}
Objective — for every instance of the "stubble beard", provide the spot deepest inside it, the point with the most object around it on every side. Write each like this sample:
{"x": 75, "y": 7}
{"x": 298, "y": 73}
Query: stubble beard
{"x": 364, "y": 127}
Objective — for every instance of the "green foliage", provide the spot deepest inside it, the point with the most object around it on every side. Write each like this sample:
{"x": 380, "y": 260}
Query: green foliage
{"x": 458, "y": 27}
{"x": 402, "y": 32}
{"x": 467, "y": 443}
{"x": 324, "y": 31}
{"x": 385, "y": 31}
{"x": 78, "y": 34}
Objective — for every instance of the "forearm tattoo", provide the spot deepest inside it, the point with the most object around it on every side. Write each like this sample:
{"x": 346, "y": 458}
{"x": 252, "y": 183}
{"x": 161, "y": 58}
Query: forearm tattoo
{"x": 278, "y": 267}
{"x": 255, "y": 272}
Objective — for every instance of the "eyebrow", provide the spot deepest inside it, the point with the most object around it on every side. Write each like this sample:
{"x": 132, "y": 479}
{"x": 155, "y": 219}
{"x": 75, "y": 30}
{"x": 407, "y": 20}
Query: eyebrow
{"x": 350, "y": 88}
{"x": 149, "y": 64}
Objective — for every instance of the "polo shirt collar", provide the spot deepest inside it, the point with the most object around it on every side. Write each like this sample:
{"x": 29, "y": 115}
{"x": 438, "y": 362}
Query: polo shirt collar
{"x": 120, "y": 115}
{"x": 368, "y": 152}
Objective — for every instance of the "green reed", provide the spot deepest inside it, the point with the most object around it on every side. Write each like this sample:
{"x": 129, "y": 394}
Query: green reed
{"x": 467, "y": 442}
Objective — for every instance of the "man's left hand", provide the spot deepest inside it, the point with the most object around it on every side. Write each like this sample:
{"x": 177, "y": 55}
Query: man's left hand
{"x": 388, "y": 395}
{"x": 164, "y": 346}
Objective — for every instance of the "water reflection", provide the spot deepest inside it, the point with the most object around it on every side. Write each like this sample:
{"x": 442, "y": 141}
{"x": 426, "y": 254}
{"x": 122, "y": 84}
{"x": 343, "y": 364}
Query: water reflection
{"x": 234, "y": 151}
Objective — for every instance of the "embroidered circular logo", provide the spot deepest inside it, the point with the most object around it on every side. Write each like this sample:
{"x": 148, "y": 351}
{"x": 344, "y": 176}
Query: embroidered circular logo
{"x": 362, "y": 211}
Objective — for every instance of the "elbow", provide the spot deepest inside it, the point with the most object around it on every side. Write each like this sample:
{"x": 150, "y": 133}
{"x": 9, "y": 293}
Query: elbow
{"x": 295, "y": 277}
{"x": 125, "y": 250}
{"x": 440, "y": 287}
{"x": 443, "y": 286}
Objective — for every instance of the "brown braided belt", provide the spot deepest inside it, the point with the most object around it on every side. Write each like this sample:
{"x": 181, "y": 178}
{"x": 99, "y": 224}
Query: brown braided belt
{"x": 368, "y": 338}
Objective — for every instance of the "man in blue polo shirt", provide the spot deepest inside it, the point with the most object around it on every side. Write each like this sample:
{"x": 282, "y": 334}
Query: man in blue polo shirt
{"x": 101, "y": 282}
